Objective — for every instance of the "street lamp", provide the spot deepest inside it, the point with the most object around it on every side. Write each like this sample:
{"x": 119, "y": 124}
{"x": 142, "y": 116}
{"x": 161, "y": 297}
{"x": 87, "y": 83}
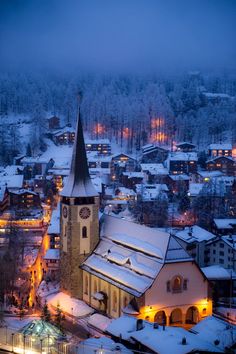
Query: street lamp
{"x": 24, "y": 342}
{"x": 48, "y": 342}
{"x": 41, "y": 345}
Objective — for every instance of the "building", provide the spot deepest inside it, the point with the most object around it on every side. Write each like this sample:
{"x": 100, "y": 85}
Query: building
{"x": 121, "y": 163}
{"x": 53, "y": 123}
{"x": 24, "y": 199}
{"x": 220, "y": 150}
{"x": 152, "y": 153}
{"x": 222, "y": 251}
{"x": 182, "y": 162}
{"x": 64, "y": 136}
{"x": 131, "y": 268}
{"x": 101, "y": 146}
{"x": 225, "y": 164}
{"x": 185, "y": 147}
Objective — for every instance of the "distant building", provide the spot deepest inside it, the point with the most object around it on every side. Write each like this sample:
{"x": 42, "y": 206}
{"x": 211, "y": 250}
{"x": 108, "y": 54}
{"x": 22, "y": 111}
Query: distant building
{"x": 222, "y": 251}
{"x": 101, "y": 146}
{"x": 53, "y": 122}
{"x": 4, "y": 198}
{"x": 224, "y": 226}
{"x": 215, "y": 150}
{"x": 152, "y": 153}
{"x": 64, "y": 136}
{"x": 182, "y": 162}
{"x": 185, "y": 147}
{"x": 24, "y": 199}
{"x": 121, "y": 163}
{"x": 225, "y": 164}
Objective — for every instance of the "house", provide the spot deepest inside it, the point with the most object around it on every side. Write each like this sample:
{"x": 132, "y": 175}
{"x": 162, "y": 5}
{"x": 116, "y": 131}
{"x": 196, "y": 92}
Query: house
{"x": 152, "y": 153}
{"x": 53, "y": 123}
{"x": 52, "y": 258}
{"x": 194, "y": 239}
{"x": 185, "y": 147}
{"x": 124, "y": 267}
{"x": 64, "y": 136}
{"x": 101, "y": 146}
{"x": 12, "y": 182}
{"x": 24, "y": 199}
{"x": 206, "y": 176}
{"x": 178, "y": 183}
{"x": 121, "y": 163}
{"x": 182, "y": 162}
{"x": 54, "y": 228}
{"x": 194, "y": 190}
{"x": 155, "y": 172}
{"x": 130, "y": 179}
{"x": 222, "y": 251}
{"x": 36, "y": 166}
{"x": 225, "y": 164}
{"x": 215, "y": 150}
{"x": 224, "y": 226}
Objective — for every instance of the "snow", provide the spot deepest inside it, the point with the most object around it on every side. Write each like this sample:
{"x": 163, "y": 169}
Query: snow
{"x": 150, "y": 191}
{"x": 17, "y": 323}
{"x": 194, "y": 234}
{"x": 71, "y": 306}
{"x": 46, "y": 289}
{"x": 14, "y": 181}
{"x": 210, "y": 174}
{"x": 225, "y": 223}
{"x": 216, "y": 272}
{"x": 99, "y": 322}
{"x": 170, "y": 340}
{"x": 54, "y": 227}
{"x": 229, "y": 313}
{"x": 216, "y": 95}
{"x": 220, "y": 146}
{"x": 154, "y": 168}
{"x": 195, "y": 189}
{"x": 106, "y": 345}
{"x": 2, "y": 192}
{"x": 133, "y": 174}
{"x": 182, "y": 156}
{"x": 211, "y": 329}
{"x": 52, "y": 253}
{"x": 181, "y": 177}
{"x": 122, "y": 327}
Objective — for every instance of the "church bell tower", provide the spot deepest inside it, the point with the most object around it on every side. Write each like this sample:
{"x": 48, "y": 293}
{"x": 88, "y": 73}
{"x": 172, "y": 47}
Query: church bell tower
{"x": 79, "y": 219}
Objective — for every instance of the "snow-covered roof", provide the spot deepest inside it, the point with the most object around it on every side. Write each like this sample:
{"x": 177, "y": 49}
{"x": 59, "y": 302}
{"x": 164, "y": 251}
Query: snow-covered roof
{"x": 212, "y": 95}
{"x": 216, "y": 272}
{"x": 185, "y": 143}
{"x": 210, "y": 174}
{"x": 150, "y": 191}
{"x": 122, "y": 327}
{"x": 230, "y": 240}
{"x": 99, "y": 321}
{"x": 52, "y": 253}
{"x": 54, "y": 227}
{"x": 212, "y": 328}
{"x": 32, "y": 160}
{"x": 170, "y": 340}
{"x": 97, "y": 141}
{"x": 154, "y": 168}
{"x": 13, "y": 169}
{"x": 134, "y": 174}
{"x": 195, "y": 189}
{"x": 2, "y": 192}
{"x": 24, "y": 191}
{"x": 226, "y": 146}
{"x": 182, "y": 156}
{"x": 194, "y": 234}
{"x": 181, "y": 177}
{"x": 101, "y": 345}
{"x": 215, "y": 159}
{"x": 124, "y": 259}
{"x": 225, "y": 223}
{"x": 15, "y": 181}
{"x": 69, "y": 304}
{"x": 63, "y": 131}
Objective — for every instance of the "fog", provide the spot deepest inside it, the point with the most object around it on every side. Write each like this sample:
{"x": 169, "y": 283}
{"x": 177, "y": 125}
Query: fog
{"x": 118, "y": 35}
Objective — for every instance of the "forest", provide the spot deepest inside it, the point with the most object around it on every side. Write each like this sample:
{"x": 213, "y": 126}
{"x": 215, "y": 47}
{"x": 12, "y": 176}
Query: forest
{"x": 130, "y": 110}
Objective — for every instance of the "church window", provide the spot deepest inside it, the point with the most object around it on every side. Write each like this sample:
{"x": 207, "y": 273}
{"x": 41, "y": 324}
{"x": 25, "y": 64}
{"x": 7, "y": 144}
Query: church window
{"x": 114, "y": 301}
{"x": 84, "y": 232}
{"x": 177, "y": 284}
{"x": 168, "y": 286}
{"x": 86, "y": 285}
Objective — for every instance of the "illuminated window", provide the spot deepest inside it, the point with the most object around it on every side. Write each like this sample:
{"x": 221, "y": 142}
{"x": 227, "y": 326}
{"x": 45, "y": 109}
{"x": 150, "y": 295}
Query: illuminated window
{"x": 177, "y": 284}
{"x": 84, "y": 232}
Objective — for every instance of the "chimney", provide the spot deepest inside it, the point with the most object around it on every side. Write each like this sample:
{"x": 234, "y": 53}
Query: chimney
{"x": 139, "y": 325}
{"x": 184, "y": 342}
{"x": 155, "y": 325}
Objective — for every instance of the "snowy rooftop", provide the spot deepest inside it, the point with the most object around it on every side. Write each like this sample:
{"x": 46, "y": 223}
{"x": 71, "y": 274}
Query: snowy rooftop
{"x": 154, "y": 168}
{"x": 210, "y": 174}
{"x": 225, "y": 223}
{"x": 195, "y": 189}
{"x": 216, "y": 272}
{"x": 150, "y": 191}
{"x": 227, "y": 146}
{"x": 123, "y": 257}
{"x": 194, "y": 234}
{"x": 2, "y": 192}
{"x": 15, "y": 181}
{"x": 54, "y": 227}
{"x": 133, "y": 174}
{"x": 101, "y": 345}
{"x": 183, "y": 156}
{"x": 216, "y": 95}
{"x": 52, "y": 254}
{"x": 181, "y": 177}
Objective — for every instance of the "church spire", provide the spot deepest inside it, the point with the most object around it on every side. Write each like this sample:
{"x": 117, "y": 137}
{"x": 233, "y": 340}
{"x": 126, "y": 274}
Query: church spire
{"x": 79, "y": 183}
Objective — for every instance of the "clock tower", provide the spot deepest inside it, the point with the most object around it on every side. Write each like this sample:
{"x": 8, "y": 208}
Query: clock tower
{"x": 79, "y": 219}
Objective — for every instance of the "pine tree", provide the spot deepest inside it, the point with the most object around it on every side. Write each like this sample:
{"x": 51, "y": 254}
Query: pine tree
{"x": 28, "y": 151}
{"x": 58, "y": 317}
{"x": 22, "y": 311}
{"x": 45, "y": 315}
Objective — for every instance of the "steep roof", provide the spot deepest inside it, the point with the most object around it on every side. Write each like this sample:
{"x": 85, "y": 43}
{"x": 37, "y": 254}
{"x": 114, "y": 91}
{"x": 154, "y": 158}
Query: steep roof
{"x": 130, "y": 256}
{"x": 78, "y": 183}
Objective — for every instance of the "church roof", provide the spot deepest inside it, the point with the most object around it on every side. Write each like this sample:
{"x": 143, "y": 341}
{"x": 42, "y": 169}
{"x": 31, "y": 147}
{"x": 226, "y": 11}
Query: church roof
{"x": 130, "y": 256}
{"x": 79, "y": 183}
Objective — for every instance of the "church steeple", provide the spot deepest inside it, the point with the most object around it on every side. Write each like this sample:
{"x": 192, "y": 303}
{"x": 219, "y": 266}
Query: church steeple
{"x": 79, "y": 183}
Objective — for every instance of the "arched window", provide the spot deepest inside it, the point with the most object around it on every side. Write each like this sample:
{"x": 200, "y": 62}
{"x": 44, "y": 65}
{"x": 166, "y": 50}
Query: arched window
{"x": 84, "y": 232}
{"x": 114, "y": 301}
{"x": 177, "y": 284}
{"x": 86, "y": 285}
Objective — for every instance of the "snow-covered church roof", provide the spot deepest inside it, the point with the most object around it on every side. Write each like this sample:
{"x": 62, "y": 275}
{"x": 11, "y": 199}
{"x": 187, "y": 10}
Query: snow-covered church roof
{"x": 130, "y": 256}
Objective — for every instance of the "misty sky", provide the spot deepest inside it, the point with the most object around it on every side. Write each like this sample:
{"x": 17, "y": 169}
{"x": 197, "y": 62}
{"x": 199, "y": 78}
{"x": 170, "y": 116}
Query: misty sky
{"x": 118, "y": 35}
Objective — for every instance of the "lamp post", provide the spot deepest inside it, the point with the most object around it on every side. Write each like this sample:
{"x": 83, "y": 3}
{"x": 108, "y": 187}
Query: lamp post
{"x": 12, "y": 342}
{"x": 48, "y": 342}
{"x": 24, "y": 342}
{"x": 41, "y": 345}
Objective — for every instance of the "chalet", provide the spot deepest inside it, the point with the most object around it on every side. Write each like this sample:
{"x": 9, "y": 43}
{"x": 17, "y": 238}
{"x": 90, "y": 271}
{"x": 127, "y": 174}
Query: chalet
{"x": 215, "y": 150}
{"x": 153, "y": 153}
{"x": 13, "y": 182}
{"x": 24, "y": 199}
{"x": 154, "y": 172}
{"x": 52, "y": 258}
{"x": 224, "y": 226}
{"x": 130, "y": 179}
{"x": 54, "y": 229}
{"x": 194, "y": 239}
{"x": 122, "y": 163}
{"x": 35, "y": 166}
{"x": 53, "y": 123}
{"x": 194, "y": 190}
{"x": 101, "y": 146}
{"x": 182, "y": 163}
{"x": 39, "y": 183}
{"x": 178, "y": 183}
{"x": 124, "y": 266}
{"x": 222, "y": 251}
{"x": 185, "y": 147}
{"x": 150, "y": 192}
{"x": 64, "y": 136}
{"x": 225, "y": 164}
{"x": 206, "y": 176}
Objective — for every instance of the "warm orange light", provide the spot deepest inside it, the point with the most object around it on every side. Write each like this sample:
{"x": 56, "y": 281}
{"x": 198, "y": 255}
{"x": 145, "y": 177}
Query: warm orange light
{"x": 126, "y": 133}
{"x": 234, "y": 152}
{"x": 157, "y": 123}
{"x": 99, "y": 129}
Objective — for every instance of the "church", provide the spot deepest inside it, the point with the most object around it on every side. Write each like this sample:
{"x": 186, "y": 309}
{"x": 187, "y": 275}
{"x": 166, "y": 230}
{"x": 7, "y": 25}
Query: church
{"x": 121, "y": 267}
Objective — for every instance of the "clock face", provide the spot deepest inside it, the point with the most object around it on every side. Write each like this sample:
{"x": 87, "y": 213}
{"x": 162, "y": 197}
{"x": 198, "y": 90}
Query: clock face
{"x": 84, "y": 213}
{"x": 65, "y": 212}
